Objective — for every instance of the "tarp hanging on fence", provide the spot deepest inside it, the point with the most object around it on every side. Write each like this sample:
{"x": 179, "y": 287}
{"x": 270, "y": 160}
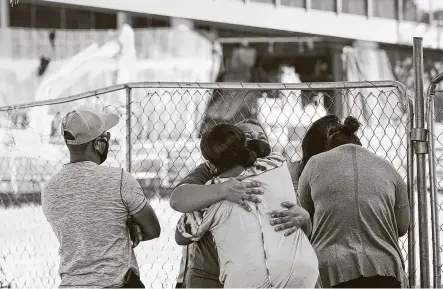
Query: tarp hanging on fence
{"x": 370, "y": 64}
{"x": 149, "y": 55}
{"x": 380, "y": 111}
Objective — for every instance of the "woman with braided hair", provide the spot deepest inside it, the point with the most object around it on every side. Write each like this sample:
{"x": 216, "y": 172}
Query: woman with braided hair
{"x": 252, "y": 253}
{"x": 359, "y": 208}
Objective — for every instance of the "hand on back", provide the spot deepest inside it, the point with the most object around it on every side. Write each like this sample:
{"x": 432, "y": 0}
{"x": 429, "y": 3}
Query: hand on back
{"x": 291, "y": 219}
{"x": 238, "y": 190}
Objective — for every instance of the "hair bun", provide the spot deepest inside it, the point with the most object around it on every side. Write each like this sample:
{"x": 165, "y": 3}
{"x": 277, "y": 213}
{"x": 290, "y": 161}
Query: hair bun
{"x": 247, "y": 157}
{"x": 350, "y": 125}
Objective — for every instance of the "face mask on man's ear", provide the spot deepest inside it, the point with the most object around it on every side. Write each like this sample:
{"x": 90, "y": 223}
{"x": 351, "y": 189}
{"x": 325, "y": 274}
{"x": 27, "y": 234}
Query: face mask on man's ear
{"x": 103, "y": 156}
{"x": 260, "y": 147}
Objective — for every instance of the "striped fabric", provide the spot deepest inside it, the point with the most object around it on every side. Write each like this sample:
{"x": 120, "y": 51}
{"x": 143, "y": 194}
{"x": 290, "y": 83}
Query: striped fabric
{"x": 191, "y": 223}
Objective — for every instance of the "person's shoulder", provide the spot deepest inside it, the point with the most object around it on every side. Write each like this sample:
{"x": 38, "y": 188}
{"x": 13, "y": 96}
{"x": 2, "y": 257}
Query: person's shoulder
{"x": 115, "y": 173}
{"x": 275, "y": 156}
{"x": 199, "y": 175}
{"x": 274, "y": 159}
{"x": 380, "y": 162}
{"x": 320, "y": 157}
{"x": 53, "y": 182}
{"x": 127, "y": 177}
{"x": 109, "y": 171}
{"x": 59, "y": 179}
{"x": 371, "y": 156}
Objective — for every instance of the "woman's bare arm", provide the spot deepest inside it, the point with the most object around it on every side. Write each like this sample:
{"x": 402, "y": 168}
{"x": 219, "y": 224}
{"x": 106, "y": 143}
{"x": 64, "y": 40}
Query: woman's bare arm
{"x": 188, "y": 198}
{"x": 193, "y": 195}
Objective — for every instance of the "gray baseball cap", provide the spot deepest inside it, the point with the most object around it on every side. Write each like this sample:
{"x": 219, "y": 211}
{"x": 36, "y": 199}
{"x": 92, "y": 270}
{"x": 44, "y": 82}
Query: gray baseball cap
{"x": 86, "y": 125}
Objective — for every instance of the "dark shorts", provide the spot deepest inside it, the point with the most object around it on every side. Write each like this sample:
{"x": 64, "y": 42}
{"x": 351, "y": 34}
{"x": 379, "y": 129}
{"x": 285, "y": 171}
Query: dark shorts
{"x": 193, "y": 279}
{"x": 371, "y": 282}
{"x": 132, "y": 281}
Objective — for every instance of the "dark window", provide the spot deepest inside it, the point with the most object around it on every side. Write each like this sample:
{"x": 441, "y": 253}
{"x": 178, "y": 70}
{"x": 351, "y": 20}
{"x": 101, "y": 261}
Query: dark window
{"x": 293, "y": 3}
{"x": 385, "y": 8}
{"x": 20, "y": 15}
{"x": 411, "y": 13}
{"x": 104, "y": 20}
{"x": 357, "y": 7}
{"x": 47, "y": 17}
{"x": 264, "y": 1}
{"x": 140, "y": 21}
{"x": 325, "y": 5}
{"x": 438, "y": 18}
{"x": 78, "y": 19}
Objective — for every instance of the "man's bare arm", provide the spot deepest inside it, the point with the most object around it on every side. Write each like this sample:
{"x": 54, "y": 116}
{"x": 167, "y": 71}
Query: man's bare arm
{"x": 148, "y": 221}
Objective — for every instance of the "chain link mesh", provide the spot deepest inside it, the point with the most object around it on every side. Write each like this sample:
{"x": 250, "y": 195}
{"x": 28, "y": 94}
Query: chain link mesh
{"x": 435, "y": 185}
{"x": 164, "y": 123}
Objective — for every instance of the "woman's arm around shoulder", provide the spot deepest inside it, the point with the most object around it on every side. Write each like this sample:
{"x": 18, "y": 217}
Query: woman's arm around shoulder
{"x": 192, "y": 194}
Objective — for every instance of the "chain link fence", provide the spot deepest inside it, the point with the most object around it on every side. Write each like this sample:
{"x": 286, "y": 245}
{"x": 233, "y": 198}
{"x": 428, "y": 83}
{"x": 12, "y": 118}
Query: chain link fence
{"x": 157, "y": 140}
{"x": 435, "y": 129}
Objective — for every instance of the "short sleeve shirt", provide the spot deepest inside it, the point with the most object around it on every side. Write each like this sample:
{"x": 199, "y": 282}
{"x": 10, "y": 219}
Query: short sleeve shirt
{"x": 87, "y": 206}
{"x": 351, "y": 195}
{"x": 199, "y": 176}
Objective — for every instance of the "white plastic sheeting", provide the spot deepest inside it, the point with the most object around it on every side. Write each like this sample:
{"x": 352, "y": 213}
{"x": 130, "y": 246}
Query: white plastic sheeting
{"x": 380, "y": 110}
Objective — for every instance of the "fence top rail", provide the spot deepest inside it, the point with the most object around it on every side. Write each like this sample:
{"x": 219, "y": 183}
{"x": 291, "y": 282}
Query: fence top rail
{"x": 218, "y": 85}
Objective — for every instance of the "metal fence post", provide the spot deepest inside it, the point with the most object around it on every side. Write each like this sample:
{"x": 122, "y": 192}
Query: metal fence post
{"x": 419, "y": 137}
{"x": 128, "y": 129}
{"x": 412, "y": 266}
{"x": 436, "y": 259}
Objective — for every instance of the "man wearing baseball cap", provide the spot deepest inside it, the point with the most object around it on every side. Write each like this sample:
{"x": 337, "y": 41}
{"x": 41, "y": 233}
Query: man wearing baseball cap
{"x": 88, "y": 207}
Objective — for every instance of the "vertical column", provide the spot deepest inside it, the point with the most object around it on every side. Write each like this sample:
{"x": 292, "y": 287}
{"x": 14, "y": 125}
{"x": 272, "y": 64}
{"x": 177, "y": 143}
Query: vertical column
{"x": 5, "y": 49}
{"x": 339, "y": 6}
{"x": 400, "y": 10}
{"x": 128, "y": 148}
{"x": 4, "y": 14}
{"x": 184, "y": 106}
{"x": 369, "y": 8}
{"x": 420, "y": 137}
{"x": 182, "y": 22}
{"x": 338, "y": 75}
{"x": 123, "y": 18}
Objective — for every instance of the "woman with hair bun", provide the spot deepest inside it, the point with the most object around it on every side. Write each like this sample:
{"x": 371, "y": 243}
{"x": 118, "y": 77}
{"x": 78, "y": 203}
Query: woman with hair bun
{"x": 359, "y": 208}
{"x": 251, "y": 253}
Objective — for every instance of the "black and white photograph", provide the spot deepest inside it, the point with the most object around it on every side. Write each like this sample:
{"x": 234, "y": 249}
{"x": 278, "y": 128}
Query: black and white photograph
{"x": 221, "y": 144}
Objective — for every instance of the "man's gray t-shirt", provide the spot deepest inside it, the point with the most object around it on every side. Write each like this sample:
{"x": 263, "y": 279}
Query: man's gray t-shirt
{"x": 88, "y": 214}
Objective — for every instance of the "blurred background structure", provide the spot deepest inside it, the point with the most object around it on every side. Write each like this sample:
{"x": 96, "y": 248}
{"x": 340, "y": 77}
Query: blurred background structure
{"x": 51, "y": 49}
{"x": 54, "y": 49}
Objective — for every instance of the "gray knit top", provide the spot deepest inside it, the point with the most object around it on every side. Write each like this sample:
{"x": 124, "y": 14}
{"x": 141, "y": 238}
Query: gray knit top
{"x": 358, "y": 205}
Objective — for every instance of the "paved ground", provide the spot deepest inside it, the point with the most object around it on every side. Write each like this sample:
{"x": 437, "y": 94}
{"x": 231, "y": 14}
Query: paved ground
{"x": 29, "y": 257}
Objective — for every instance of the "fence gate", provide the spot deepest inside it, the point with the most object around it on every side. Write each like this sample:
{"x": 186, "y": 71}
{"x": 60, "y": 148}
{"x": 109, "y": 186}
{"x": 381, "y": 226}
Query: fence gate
{"x": 157, "y": 140}
{"x": 435, "y": 129}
